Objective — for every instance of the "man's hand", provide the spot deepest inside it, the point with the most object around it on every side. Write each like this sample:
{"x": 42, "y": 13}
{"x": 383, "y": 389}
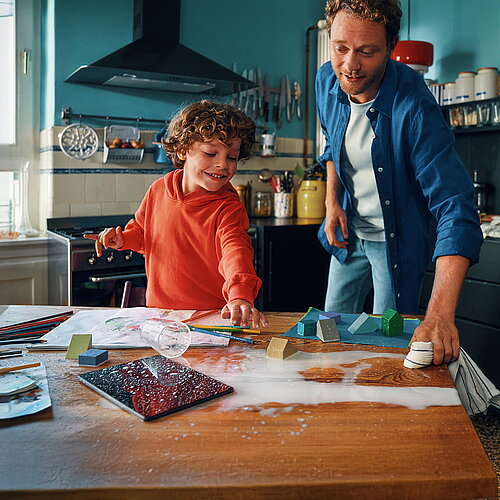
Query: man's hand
{"x": 443, "y": 334}
{"x": 240, "y": 311}
{"x": 108, "y": 238}
{"x": 335, "y": 217}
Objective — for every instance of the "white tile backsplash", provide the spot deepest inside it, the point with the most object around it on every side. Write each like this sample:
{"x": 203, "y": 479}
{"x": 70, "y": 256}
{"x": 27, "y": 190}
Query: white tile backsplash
{"x": 99, "y": 189}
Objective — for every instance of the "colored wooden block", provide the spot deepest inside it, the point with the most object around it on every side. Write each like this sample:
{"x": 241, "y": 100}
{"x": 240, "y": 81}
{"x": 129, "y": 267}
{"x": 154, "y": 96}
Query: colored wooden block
{"x": 79, "y": 343}
{"x": 93, "y": 357}
{"x": 326, "y": 330}
{"x": 330, "y": 315}
{"x": 363, "y": 324}
{"x": 392, "y": 323}
{"x": 280, "y": 348}
{"x": 306, "y": 328}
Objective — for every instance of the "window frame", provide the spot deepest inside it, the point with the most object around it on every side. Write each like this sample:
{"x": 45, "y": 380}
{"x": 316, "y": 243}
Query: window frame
{"x": 27, "y": 110}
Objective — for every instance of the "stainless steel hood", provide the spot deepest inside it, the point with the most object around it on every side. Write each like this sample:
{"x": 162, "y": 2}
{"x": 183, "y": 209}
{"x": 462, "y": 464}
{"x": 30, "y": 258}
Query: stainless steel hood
{"x": 155, "y": 60}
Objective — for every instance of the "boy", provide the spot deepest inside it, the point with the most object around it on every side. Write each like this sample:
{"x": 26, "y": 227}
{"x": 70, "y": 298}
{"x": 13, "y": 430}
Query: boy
{"x": 191, "y": 226}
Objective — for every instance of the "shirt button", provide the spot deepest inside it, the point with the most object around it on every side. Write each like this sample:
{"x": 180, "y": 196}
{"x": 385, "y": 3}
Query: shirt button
{"x": 380, "y": 169}
{"x": 399, "y": 295}
{"x": 395, "y": 266}
{"x": 372, "y": 110}
{"x": 387, "y": 202}
{"x": 392, "y": 235}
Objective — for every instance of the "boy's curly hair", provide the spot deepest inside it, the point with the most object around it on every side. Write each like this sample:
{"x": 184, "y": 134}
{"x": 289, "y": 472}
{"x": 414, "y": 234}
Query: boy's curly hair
{"x": 206, "y": 120}
{"x": 386, "y": 12}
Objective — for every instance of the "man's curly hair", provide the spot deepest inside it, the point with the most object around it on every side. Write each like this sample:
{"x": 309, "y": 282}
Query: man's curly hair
{"x": 206, "y": 120}
{"x": 386, "y": 12}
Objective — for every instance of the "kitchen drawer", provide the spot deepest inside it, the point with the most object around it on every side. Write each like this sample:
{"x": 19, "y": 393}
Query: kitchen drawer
{"x": 488, "y": 268}
{"x": 482, "y": 344}
{"x": 479, "y": 300}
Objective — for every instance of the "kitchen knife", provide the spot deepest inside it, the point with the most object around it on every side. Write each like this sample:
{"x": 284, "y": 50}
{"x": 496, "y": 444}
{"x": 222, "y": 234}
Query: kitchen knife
{"x": 233, "y": 101}
{"x": 251, "y": 94}
{"x": 267, "y": 98}
{"x": 288, "y": 100}
{"x": 298, "y": 94}
{"x": 261, "y": 91}
{"x": 276, "y": 110}
{"x": 282, "y": 101}
{"x": 244, "y": 93}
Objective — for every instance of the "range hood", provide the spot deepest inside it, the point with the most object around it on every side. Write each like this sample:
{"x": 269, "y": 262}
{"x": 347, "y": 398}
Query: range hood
{"x": 155, "y": 60}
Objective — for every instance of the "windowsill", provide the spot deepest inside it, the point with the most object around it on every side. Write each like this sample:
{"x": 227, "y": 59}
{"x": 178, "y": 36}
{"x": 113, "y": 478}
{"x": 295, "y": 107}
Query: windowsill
{"x": 25, "y": 241}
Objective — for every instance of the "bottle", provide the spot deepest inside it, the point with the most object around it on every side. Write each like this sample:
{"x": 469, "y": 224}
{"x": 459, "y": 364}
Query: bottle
{"x": 479, "y": 193}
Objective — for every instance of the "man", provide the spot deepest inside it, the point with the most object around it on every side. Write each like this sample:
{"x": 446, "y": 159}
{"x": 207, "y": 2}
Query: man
{"x": 391, "y": 173}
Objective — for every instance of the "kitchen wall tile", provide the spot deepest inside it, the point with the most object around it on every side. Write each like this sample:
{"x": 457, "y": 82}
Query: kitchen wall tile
{"x": 69, "y": 188}
{"x": 129, "y": 187}
{"x": 149, "y": 179}
{"x": 100, "y": 188}
{"x": 61, "y": 210}
{"x": 134, "y": 206}
{"x": 116, "y": 208}
{"x": 85, "y": 209}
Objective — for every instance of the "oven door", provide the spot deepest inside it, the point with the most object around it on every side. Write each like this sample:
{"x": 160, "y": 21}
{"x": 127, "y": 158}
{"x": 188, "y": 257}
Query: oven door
{"x": 99, "y": 288}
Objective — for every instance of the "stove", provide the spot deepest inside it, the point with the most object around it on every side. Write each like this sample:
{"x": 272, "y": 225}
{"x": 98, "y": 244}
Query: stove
{"x": 76, "y": 275}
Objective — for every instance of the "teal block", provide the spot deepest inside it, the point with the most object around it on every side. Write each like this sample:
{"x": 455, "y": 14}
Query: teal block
{"x": 363, "y": 324}
{"x": 306, "y": 328}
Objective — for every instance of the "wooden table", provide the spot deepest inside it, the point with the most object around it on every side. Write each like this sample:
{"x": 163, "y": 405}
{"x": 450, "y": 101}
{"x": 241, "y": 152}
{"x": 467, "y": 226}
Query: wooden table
{"x": 361, "y": 446}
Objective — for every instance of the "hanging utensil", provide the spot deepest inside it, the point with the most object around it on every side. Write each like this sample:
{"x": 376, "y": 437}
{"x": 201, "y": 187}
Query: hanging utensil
{"x": 78, "y": 141}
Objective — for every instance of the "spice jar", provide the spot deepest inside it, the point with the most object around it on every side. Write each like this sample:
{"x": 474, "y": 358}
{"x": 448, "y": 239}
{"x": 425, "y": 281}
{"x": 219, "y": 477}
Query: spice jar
{"x": 262, "y": 204}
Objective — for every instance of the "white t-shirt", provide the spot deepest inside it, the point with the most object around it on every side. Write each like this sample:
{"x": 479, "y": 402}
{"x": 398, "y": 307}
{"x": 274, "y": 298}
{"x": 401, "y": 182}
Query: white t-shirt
{"x": 356, "y": 158}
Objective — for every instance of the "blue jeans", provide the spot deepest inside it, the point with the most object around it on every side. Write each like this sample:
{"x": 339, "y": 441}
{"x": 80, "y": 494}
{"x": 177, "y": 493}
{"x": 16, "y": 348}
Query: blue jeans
{"x": 350, "y": 283}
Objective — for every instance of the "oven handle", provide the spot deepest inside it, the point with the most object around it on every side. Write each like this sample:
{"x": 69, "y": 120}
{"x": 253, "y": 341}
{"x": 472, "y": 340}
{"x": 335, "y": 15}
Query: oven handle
{"x": 99, "y": 279}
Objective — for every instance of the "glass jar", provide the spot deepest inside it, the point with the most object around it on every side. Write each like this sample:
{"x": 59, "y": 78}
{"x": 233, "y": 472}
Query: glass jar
{"x": 484, "y": 114}
{"x": 262, "y": 204}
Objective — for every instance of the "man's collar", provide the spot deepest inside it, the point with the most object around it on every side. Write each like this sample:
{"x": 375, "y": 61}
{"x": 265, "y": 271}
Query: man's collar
{"x": 385, "y": 94}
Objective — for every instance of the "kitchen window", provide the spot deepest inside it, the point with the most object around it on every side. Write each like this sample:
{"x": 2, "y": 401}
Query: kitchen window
{"x": 19, "y": 99}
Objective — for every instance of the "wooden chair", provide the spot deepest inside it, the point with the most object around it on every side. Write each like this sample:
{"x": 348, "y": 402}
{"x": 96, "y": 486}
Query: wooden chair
{"x": 133, "y": 296}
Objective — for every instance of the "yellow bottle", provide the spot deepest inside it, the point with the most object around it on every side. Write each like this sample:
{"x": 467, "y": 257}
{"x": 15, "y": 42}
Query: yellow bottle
{"x": 311, "y": 200}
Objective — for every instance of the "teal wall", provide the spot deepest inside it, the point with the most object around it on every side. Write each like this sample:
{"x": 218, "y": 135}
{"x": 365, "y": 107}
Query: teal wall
{"x": 268, "y": 33}
{"x": 262, "y": 32}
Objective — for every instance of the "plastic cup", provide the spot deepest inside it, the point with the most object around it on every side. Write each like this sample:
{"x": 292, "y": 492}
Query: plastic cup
{"x": 170, "y": 338}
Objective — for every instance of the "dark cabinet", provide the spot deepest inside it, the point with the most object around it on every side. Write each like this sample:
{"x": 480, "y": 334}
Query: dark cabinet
{"x": 292, "y": 264}
{"x": 478, "y": 311}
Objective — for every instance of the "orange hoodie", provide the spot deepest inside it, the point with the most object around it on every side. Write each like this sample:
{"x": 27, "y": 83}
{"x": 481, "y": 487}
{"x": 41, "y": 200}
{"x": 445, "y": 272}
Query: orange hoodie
{"x": 197, "y": 250}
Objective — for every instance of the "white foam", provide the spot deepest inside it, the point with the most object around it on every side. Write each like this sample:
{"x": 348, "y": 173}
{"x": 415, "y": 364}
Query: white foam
{"x": 258, "y": 380}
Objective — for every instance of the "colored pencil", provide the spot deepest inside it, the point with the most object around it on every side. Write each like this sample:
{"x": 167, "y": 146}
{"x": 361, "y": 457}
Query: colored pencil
{"x": 19, "y": 367}
{"x": 219, "y": 334}
{"x": 243, "y": 329}
{"x": 34, "y": 321}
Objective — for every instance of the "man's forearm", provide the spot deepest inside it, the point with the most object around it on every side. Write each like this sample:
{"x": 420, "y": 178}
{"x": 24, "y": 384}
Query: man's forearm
{"x": 448, "y": 280}
{"x": 332, "y": 184}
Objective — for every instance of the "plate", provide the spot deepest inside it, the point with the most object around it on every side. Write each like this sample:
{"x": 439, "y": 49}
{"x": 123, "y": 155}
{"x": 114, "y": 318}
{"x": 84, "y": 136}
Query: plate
{"x": 78, "y": 141}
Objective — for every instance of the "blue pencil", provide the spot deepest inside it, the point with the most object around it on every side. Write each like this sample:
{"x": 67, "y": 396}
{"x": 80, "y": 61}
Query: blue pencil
{"x": 219, "y": 334}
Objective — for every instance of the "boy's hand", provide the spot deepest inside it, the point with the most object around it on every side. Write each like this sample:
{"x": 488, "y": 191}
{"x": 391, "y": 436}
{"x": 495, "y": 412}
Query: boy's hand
{"x": 108, "y": 238}
{"x": 241, "y": 312}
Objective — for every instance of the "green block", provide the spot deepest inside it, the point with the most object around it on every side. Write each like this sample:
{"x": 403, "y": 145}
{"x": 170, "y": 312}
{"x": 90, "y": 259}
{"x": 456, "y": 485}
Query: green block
{"x": 79, "y": 344}
{"x": 392, "y": 323}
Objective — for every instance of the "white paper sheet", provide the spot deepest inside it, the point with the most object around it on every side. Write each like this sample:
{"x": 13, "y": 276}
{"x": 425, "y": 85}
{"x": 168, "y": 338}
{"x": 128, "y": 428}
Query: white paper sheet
{"x": 119, "y": 329}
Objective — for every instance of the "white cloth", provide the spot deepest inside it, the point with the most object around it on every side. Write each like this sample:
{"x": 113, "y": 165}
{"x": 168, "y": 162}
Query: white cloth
{"x": 475, "y": 389}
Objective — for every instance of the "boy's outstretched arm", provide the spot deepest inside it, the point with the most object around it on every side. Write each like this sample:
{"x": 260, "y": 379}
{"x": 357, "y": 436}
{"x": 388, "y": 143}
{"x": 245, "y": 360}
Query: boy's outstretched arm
{"x": 242, "y": 312}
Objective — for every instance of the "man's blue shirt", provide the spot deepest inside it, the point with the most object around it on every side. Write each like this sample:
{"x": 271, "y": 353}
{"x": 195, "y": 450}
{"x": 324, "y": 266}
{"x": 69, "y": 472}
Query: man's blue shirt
{"x": 425, "y": 192}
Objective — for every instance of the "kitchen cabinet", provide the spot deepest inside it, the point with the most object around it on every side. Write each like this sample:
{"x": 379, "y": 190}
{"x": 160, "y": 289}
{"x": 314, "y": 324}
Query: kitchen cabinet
{"x": 23, "y": 271}
{"x": 292, "y": 264}
{"x": 478, "y": 312}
